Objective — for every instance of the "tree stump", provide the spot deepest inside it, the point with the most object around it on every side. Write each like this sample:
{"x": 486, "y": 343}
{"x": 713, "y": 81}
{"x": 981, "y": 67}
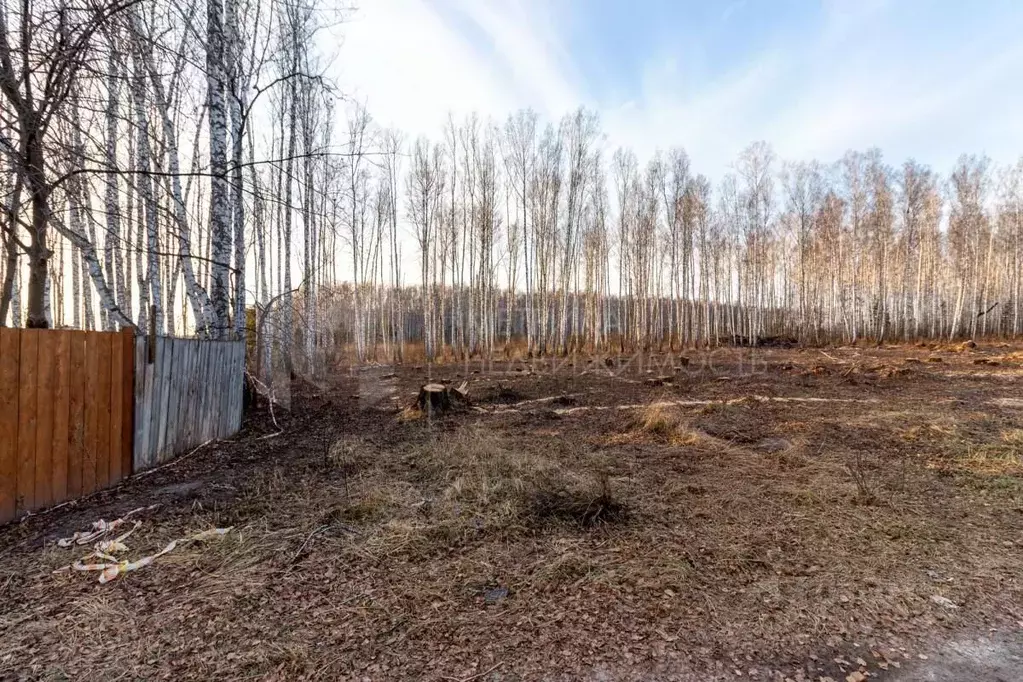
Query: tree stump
{"x": 434, "y": 398}
{"x": 460, "y": 394}
{"x": 438, "y": 398}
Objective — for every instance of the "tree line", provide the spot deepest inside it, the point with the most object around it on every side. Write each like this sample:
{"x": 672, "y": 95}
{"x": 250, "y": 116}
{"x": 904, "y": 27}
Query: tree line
{"x": 186, "y": 166}
{"x": 531, "y": 231}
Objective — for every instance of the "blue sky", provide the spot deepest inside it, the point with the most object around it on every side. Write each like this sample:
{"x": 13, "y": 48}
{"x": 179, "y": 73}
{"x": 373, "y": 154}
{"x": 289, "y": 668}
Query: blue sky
{"x": 923, "y": 79}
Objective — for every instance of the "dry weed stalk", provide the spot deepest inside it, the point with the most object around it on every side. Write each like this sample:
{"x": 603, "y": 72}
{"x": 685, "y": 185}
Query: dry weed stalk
{"x": 865, "y": 488}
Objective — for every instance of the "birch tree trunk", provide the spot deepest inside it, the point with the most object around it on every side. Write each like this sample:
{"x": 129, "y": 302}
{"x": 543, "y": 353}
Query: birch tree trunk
{"x": 220, "y": 206}
{"x": 237, "y": 87}
{"x": 146, "y": 195}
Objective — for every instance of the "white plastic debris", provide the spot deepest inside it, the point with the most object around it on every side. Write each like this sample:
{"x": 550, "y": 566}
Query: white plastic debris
{"x": 107, "y": 550}
{"x": 99, "y": 529}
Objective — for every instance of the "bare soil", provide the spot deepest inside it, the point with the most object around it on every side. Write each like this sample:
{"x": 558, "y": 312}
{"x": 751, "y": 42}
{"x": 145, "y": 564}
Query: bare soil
{"x": 777, "y": 514}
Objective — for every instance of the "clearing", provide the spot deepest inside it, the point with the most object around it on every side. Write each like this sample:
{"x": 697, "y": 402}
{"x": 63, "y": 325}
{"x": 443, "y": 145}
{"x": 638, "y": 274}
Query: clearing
{"x": 838, "y": 514}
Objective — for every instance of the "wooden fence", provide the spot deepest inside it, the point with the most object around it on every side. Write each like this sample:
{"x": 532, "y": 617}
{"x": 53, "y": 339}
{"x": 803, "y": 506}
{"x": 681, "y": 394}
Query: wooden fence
{"x": 186, "y": 393}
{"x": 65, "y": 415}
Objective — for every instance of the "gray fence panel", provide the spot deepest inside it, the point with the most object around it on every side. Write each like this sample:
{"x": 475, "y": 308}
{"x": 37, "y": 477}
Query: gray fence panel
{"x": 191, "y": 393}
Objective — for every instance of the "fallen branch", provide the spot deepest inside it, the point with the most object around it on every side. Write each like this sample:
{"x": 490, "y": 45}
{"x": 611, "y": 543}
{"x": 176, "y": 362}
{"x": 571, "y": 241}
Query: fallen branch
{"x": 1007, "y": 402}
{"x": 500, "y": 408}
{"x": 701, "y": 403}
{"x": 993, "y": 306}
{"x": 271, "y": 399}
{"x": 174, "y": 461}
{"x": 832, "y": 357}
{"x": 476, "y": 676}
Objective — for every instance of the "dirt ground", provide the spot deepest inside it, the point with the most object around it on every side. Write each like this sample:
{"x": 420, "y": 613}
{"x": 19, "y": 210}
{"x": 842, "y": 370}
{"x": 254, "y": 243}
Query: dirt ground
{"x": 843, "y": 514}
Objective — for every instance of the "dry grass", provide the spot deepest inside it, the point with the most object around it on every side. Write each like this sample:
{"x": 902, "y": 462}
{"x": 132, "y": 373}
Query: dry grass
{"x": 975, "y": 444}
{"x": 471, "y": 485}
{"x": 660, "y": 420}
{"x": 665, "y": 423}
{"x": 1003, "y": 457}
{"x": 485, "y": 482}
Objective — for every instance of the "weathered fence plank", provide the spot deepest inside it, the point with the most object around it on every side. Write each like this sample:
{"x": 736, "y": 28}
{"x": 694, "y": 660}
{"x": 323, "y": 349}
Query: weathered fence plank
{"x": 166, "y": 376}
{"x": 117, "y": 415}
{"x": 182, "y": 427}
{"x": 127, "y": 358}
{"x": 237, "y": 407}
{"x": 141, "y": 421}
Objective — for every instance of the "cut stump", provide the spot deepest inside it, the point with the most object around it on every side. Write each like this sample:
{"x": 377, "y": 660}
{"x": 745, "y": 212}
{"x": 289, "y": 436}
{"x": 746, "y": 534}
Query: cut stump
{"x": 435, "y": 398}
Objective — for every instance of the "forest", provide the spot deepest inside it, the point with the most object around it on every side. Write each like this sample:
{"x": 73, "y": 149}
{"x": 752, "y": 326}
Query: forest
{"x": 185, "y": 162}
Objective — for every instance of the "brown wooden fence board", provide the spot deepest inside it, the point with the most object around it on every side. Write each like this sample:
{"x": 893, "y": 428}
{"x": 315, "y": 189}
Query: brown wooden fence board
{"x": 28, "y": 391}
{"x": 76, "y": 415}
{"x": 103, "y": 410}
{"x": 10, "y": 351}
{"x": 46, "y": 355}
{"x": 61, "y": 412}
{"x": 89, "y": 465}
{"x": 63, "y": 429}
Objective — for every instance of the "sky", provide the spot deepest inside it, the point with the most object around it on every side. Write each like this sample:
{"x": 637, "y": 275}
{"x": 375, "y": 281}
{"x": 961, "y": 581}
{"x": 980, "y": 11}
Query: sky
{"x": 922, "y": 79}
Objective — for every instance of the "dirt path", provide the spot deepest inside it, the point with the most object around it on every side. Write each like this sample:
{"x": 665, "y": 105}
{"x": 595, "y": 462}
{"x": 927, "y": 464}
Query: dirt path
{"x": 980, "y": 659}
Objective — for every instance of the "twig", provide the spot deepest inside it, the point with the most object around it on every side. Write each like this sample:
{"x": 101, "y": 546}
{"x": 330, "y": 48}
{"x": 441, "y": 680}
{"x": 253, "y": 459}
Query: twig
{"x": 170, "y": 463}
{"x": 993, "y": 305}
{"x": 477, "y": 675}
{"x": 298, "y": 554}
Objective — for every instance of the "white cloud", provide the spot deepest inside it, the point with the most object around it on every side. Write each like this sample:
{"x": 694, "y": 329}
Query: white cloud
{"x": 410, "y": 67}
{"x": 414, "y": 61}
{"x": 527, "y": 50}
{"x": 850, "y": 84}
